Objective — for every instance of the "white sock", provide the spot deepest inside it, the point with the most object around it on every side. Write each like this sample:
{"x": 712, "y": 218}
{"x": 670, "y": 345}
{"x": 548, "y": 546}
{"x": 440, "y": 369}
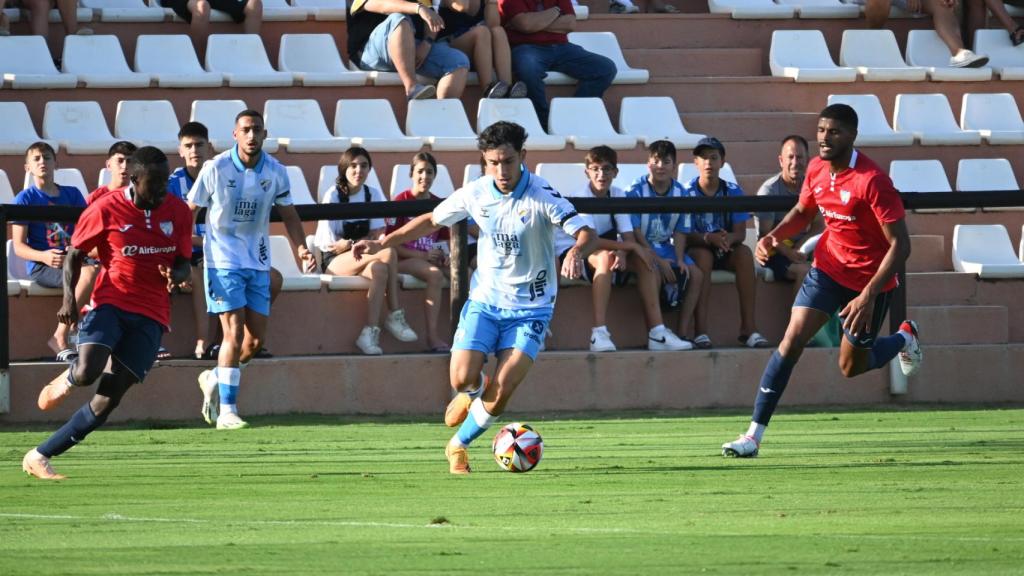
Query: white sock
{"x": 601, "y": 328}
{"x": 656, "y": 330}
{"x": 756, "y": 431}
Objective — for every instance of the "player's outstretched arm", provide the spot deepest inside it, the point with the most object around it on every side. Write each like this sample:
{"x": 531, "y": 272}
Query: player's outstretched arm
{"x": 416, "y": 228}
{"x": 68, "y": 313}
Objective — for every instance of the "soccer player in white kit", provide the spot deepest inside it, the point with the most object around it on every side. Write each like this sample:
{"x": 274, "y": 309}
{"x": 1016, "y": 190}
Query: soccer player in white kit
{"x": 512, "y": 293}
{"x": 239, "y": 188}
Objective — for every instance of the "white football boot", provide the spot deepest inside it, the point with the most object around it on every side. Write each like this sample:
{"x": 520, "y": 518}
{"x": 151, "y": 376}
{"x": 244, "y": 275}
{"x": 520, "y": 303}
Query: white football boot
{"x": 911, "y": 355}
{"x": 742, "y": 447}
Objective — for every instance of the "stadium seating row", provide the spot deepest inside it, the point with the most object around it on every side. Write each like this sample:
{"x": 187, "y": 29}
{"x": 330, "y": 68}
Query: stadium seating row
{"x": 986, "y": 250}
{"x": 240, "y": 60}
{"x": 299, "y": 126}
{"x": 875, "y": 56}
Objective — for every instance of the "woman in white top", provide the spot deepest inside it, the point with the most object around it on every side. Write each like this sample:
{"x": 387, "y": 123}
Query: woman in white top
{"x": 335, "y": 238}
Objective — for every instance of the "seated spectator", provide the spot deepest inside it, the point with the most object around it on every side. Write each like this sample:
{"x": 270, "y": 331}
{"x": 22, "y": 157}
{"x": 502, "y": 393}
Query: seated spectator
{"x": 628, "y": 7}
{"x": 611, "y": 255}
{"x": 399, "y": 36}
{"x": 474, "y": 28}
{"x": 788, "y": 263}
{"x": 248, "y": 13}
{"x": 538, "y": 32}
{"x": 944, "y": 20}
{"x": 716, "y": 243}
{"x": 117, "y": 166}
{"x": 335, "y": 238}
{"x": 39, "y": 19}
{"x": 427, "y": 257}
{"x": 977, "y": 17}
{"x": 678, "y": 280}
{"x": 44, "y": 244}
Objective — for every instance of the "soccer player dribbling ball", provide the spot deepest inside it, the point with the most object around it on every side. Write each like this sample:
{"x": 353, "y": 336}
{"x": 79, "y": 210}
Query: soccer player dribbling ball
{"x": 144, "y": 240}
{"x": 513, "y": 289}
{"x": 854, "y": 271}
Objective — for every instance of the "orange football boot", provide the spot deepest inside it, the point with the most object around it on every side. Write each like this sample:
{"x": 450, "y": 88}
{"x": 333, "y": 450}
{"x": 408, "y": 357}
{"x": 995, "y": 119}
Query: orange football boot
{"x": 55, "y": 392}
{"x": 35, "y": 464}
{"x": 458, "y": 459}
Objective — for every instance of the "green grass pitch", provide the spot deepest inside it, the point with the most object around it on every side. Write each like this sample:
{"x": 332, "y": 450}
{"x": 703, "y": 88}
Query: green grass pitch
{"x": 868, "y": 492}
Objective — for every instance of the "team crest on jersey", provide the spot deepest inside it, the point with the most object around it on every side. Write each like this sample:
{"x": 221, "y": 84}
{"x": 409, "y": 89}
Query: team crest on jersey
{"x": 524, "y": 216}
{"x": 844, "y": 195}
{"x": 817, "y": 190}
{"x": 265, "y": 184}
{"x": 231, "y": 183}
{"x": 167, "y": 228}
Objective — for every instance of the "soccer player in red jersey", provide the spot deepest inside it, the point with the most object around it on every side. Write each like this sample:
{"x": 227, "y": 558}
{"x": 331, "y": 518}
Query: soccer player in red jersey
{"x": 144, "y": 240}
{"x": 854, "y": 271}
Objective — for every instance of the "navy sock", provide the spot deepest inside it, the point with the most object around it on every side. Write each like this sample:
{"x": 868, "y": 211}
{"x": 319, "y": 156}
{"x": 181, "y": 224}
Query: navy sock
{"x": 773, "y": 383}
{"x": 72, "y": 432}
{"x": 885, "y": 349}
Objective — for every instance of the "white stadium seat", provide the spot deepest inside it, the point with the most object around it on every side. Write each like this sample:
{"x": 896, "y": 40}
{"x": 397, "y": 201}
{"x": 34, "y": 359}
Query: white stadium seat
{"x": 1020, "y": 249}
{"x": 182, "y": 71}
{"x": 243, "y": 61}
{"x": 751, "y": 9}
{"x": 441, "y": 123}
{"x": 922, "y": 176}
{"x": 1004, "y": 58}
{"x": 872, "y": 127}
{"x": 282, "y": 11}
{"x": 147, "y": 123}
{"x": 565, "y": 177}
{"x": 925, "y": 48}
{"x": 17, "y": 271}
{"x": 329, "y": 175}
{"x": 80, "y": 127}
{"x": 987, "y": 174}
{"x": 652, "y": 118}
{"x": 25, "y": 62}
{"x": 18, "y": 131}
{"x": 99, "y": 63}
{"x": 124, "y": 10}
{"x": 314, "y": 61}
{"x": 401, "y": 181}
{"x": 629, "y": 173}
{"x": 803, "y": 56}
{"x": 323, "y": 10}
{"x": 876, "y": 56}
{"x": 470, "y": 173}
{"x": 985, "y": 250}
{"x": 282, "y": 256}
{"x": 929, "y": 118}
{"x": 6, "y": 192}
{"x": 371, "y": 123}
{"x": 520, "y": 111}
{"x": 379, "y": 78}
{"x": 995, "y": 116}
{"x": 65, "y": 177}
{"x": 606, "y": 44}
{"x": 299, "y": 126}
{"x": 299, "y": 187}
{"x": 104, "y": 178}
{"x": 823, "y": 8}
{"x": 585, "y": 123}
{"x": 219, "y": 118}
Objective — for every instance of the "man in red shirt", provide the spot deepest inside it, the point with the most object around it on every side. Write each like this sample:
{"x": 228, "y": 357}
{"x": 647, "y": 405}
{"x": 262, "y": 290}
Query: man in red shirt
{"x": 144, "y": 240}
{"x": 538, "y": 33}
{"x": 854, "y": 271}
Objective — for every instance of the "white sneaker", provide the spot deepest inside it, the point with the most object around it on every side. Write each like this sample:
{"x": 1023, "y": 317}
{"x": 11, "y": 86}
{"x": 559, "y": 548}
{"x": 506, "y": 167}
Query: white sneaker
{"x": 742, "y": 447}
{"x": 211, "y": 396}
{"x": 667, "y": 340}
{"x": 397, "y": 326}
{"x": 368, "y": 341}
{"x": 230, "y": 421}
{"x": 601, "y": 341}
{"x": 911, "y": 356}
{"x": 967, "y": 59}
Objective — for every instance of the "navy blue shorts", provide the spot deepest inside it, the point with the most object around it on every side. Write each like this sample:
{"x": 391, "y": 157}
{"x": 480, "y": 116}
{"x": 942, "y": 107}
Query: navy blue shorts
{"x": 133, "y": 339}
{"x": 820, "y": 292}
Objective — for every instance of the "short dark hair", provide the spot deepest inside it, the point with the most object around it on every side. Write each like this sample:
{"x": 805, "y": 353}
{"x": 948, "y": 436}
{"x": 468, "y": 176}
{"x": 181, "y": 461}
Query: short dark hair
{"x": 662, "y": 149}
{"x": 194, "y": 130}
{"x": 423, "y": 157}
{"x": 795, "y": 138}
{"x": 500, "y": 134}
{"x": 143, "y": 158}
{"x": 601, "y": 154}
{"x": 122, "y": 147}
{"x": 41, "y": 147}
{"x": 844, "y": 114}
{"x": 250, "y": 113}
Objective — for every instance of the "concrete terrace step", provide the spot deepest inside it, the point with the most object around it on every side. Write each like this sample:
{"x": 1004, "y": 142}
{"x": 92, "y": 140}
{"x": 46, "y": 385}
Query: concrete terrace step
{"x": 927, "y": 254}
{"x": 751, "y": 126}
{"x": 941, "y": 288}
{"x": 679, "y": 62}
{"x": 962, "y": 324}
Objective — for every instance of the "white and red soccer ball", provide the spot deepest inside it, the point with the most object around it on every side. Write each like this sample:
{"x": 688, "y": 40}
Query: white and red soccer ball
{"x": 517, "y": 447}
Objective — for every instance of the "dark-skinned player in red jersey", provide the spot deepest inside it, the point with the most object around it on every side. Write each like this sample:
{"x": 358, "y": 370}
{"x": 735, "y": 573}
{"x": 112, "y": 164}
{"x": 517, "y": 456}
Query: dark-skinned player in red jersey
{"x": 855, "y": 263}
{"x": 144, "y": 240}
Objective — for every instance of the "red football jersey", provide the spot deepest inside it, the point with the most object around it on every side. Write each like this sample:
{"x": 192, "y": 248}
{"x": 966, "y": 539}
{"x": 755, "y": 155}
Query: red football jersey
{"x": 855, "y": 204}
{"x": 100, "y": 193}
{"x": 132, "y": 244}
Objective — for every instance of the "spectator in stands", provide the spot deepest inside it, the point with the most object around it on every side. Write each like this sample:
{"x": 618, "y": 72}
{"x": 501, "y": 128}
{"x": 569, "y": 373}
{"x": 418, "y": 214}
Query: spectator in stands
{"x": 977, "y": 17}
{"x": 538, "y": 32}
{"x": 39, "y": 19}
{"x": 474, "y": 28}
{"x": 249, "y": 13}
{"x": 664, "y": 236}
{"x": 335, "y": 238}
{"x": 788, "y": 262}
{"x": 716, "y": 243}
{"x": 426, "y": 258}
{"x": 43, "y": 245}
{"x": 628, "y": 7}
{"x": 117, "y": 167}
{"x": 399, "y": 36}
{"x": 944, "y": 20}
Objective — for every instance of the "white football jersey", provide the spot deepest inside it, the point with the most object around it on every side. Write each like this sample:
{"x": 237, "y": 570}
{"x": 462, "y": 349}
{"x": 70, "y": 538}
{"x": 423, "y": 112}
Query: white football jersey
{"x": 238, "y": 202}
{"x": 516, "y": 257}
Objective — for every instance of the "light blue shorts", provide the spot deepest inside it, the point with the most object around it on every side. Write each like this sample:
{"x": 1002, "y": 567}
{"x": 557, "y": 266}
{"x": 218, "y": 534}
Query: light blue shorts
{"x": 228, "y": 290}
{"x": 441, "y": 61}
{"x": 490, "y": 329}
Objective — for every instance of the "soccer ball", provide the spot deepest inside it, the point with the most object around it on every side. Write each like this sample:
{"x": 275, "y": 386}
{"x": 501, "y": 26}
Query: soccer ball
{"x": 517, "y": 447}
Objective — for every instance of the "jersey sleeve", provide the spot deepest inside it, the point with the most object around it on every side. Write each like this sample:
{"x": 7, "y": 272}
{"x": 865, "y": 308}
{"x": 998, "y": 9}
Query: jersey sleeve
{"x": 736, "y": 217}
{"x": 884, "y": 200}
{"x": 684, "y": 224}
{"x": 377, "y": 196}
{"x": 203, "y": 187}
{"x": 283, "y": 197}
{"x": 453, "y": 208}
{"x": 623, "y": 222}
{"x": 90, "y": 229}
{"x": 509, "y": 9}
{"x": 563, "y": 214}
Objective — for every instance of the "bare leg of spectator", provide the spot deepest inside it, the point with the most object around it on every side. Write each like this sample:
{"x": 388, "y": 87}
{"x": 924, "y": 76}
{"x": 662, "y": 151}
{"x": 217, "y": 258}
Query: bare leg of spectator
{"x": 434, "y": 277}
{"x": 602, "y": 261}
{"x": 199, "y": 313}
{"x": 253, "y": 16}
{"x": 199, "y": 29}
{"x": 690, "y": 300}
{"x": 647, "y": 284}
{"x": 704, "y": 259}
{"x": 476, "y": 43}
{"x": 39, "y": 16}
{"x": 876, "y": 13}
{"x": 402, "y": 49}
{"x": 452, "y": 85}
{"x": 741, "y": 261}
{"x": 946, "y": 26}
{"x": 69, "y": 16}
{"x": 5, "y": 24}
{"x": 502, "y": 54}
